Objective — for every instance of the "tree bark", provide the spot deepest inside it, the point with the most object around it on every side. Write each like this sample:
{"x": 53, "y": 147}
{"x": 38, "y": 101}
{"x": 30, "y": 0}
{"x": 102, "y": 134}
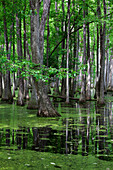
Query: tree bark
{"x": 33, "y": 103}
{"x": 26, "y": 90}
{"x": 63, "y": 86}
{"x": 83, "y": 88}
{"x": 45, "y": 108}
{"x": 97, "y": 93}
{"x": 88, "y": 84}
{"x": 6, "y": 95}
{"x": 102, "y": 57}
{"x": 67, "y": 62}
{"x": 106, "y": 78}
{"x": 48, "y": 34}
{"x": 1, "y": 89}
{"x": 14, "y": 80}
{"x": 110, "y": 85}
{"x": 20, "y": 100}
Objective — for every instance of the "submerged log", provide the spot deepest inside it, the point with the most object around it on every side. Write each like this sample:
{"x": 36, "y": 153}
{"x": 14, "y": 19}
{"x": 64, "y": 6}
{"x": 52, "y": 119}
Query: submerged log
{"x": 71, "y": 98}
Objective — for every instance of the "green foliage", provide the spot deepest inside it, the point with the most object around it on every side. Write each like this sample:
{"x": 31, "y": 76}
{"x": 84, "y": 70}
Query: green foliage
{"x": 57, "y": 32}
{"x": 28, "y": 68}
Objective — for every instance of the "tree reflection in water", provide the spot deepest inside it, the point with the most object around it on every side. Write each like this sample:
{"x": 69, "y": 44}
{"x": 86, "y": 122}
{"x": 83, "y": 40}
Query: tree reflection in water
{"x": 89, "y": 131}
{"x": 103, "y": 133}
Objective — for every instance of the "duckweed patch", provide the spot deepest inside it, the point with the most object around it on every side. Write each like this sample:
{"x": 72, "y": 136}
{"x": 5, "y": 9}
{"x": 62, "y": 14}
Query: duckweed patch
{"x": 82, "y": 138}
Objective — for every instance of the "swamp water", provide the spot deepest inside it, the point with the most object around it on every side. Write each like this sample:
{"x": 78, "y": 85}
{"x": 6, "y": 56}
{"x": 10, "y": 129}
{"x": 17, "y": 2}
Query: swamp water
{"x": 82, "y": 138}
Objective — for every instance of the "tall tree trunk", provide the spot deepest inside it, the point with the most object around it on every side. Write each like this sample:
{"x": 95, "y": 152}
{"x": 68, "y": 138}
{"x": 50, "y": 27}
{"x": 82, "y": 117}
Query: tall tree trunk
{"x": 106, "y": 78}
{"x": 73, "y": 84}
{"x": 33, "y": 102}
{"x": 14, "y": 80}
{"x": 110, "y": 85}
{"x": 48, "y": 34}
{"x": 91, "y": 64}
{"x": 83, "y": 88}
{"x": 26, "y": 90}
{"x": 88, "y": 85}
{"x": 63, "y": 83}
{"x": 77, "y": 60}
{"x": 1, "y": 88}
{"x": 102, "y": 57}
{"x": 67, "y": 63}
{"x": 97, "y": 93}
{"x": 6, "y": 95}
{"x": 56, "y": 91}
{"x": 45, "y": 107}
{"x": 20, "y": 100}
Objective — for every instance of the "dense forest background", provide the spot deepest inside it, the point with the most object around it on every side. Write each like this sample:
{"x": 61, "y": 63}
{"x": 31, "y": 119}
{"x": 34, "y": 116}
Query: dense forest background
{"x": 65, "y": 45}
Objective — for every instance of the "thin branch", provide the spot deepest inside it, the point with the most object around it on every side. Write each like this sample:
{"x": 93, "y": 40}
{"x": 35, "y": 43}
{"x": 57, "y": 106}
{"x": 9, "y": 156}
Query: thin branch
{"x": 80, "y": 27}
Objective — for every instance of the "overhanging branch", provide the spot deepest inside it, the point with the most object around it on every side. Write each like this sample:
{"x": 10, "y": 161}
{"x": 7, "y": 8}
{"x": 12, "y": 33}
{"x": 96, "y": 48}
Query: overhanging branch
{"x": 80, "y": 27}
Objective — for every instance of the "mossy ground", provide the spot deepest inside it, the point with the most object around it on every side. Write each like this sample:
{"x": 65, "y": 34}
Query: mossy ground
{"x": 32, "y": 160}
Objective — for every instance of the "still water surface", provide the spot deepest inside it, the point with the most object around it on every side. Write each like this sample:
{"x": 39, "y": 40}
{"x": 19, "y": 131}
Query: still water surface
{"x": 83, "y": 130}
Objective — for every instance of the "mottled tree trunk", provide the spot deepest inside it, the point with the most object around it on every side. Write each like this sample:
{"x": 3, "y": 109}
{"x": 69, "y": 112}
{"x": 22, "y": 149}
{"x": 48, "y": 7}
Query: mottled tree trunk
{"x": 67, "y": 62}
{"x": 20, "y": 100}
{"x": 106, "y": 77}
{"x": 63, "y": 65}
{"x": 97, "y": 90}
{"x": 73, "y": 80}
{"x": 110, "y": 85}
{"x": 45, "y": 108}
{"x": 14, "y": 85}
{"x": 1, "y": 85}
{"x": 26, "y": 90}
{"x": 14, "y": 80}
{"x": 6, "y": 95}
{"x": 57, "y": 34}
{"x": 97, "y": 76}
{"x": 88, "y": 84}
{"x": 75, "y": 54}
{"x": 77, "y": 60}
{"x": 83, "y": 86}
{"x": 92, "y": 62}
{"x": 33, "y": 102}
{"x": 1, "y": 88}
{"x": 102, "y": 57}
{"x": 48, "y": 34}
